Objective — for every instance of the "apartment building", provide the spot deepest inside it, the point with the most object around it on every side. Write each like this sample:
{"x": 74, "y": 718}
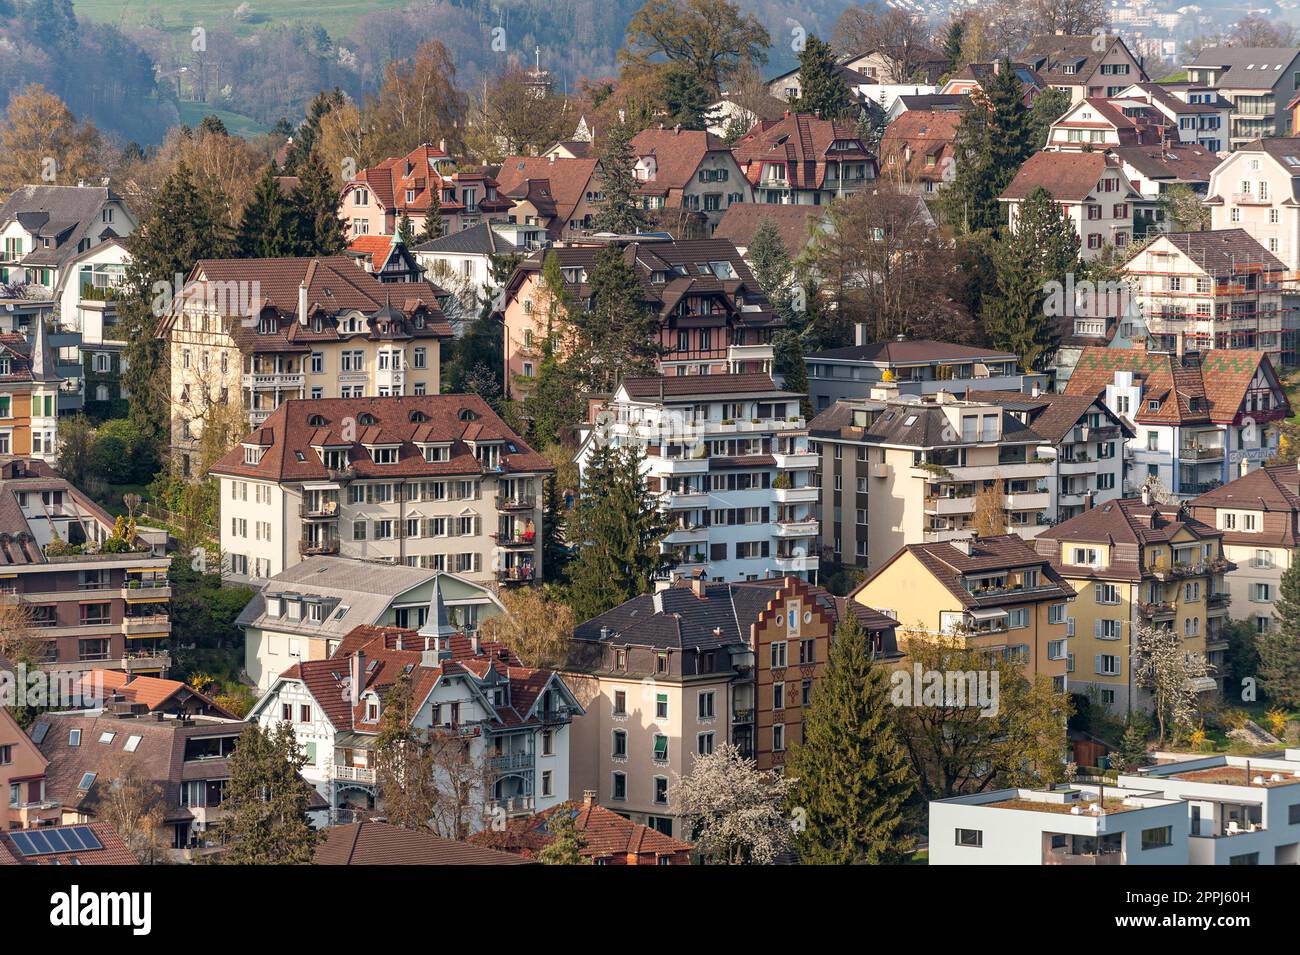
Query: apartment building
{"x": 804, "y": 160}
{"x": 44, "y": 227}
{"x": 1135, "y": 562}
{"x": 997, "y": 593}
{"x": 303, "y": 613}
{"x": 186, "y": 758}
{"x": 512, "y": 721}
{"x": 1083, "y": 441}
{"x": 905, "y": 471}
{"x": 94, "y": 599}
{"x": 467, "y": 261}
{"x": 911, "y": 367}
{"x": 691, "y": 171}
{"x": 1092, "y": 65}
{"x": 728, "y": 458}
{"x": 561, "y": 195}
{"x": 1134, "y": 824}
{"x": 713, "y": 317}
{"x": 258, "y": 332}
{"x": 1091, "y": 190}
{"x": 1259, "y": 515}
{"x": 1219, "y": 289}
{"x": 1201, "y": 419}
{"x": 918, "y": 150}
{"x": 1242, "y": 810}
{"x": 375, "y": 200}
{"x": 1252, "y": 189}
{"x": 87, "y": 306}
{"x": 22, "y": 779}
{"x": 1257, "y": 81}
{"x": 1198, "y": 114}
{"x": 669, "y": 675}
{"x": 30, "y": 386}
{"x": 436, "y": 481}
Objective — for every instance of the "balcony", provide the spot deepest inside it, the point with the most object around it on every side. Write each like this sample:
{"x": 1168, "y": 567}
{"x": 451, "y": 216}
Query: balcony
{"x": 153, "y": 623}
{"x": 512, "y": 762}
{"x": 1218, "y": 601}
{"x": 796, "y": 460}
{"x": 807, "y": 527}
{"x": 1066, "y": 857}
{"x": 355, "y": 774}
{"x": 146, "y": 660}
{"x": 310, "y": 548}
{"x": 950, "y": 504}
{"x": 795, "y": 565}
{"x": 514, "y": 805}
{"x": 680, "y": 465}
{"x": 274, "y": 380}
{"x": 1156, "y": 609}
{"x": 515, "y": 575}
{"x": 741, "y": 717}
{"x": 505, "y": 503}
{"x": 1030, "y": 501}
{"x": 319, "y": 510}
{"x": 1200, "y": 453}
{"x": 677, "y": 500}
{"x": 523, "y": 541}
{"x": 687, "y": 535}
{"x": 796, "y": 495}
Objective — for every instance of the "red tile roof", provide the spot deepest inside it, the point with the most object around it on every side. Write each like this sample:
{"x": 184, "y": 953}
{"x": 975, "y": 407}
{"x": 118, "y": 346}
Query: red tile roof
{"x": 556, "y": 186}
{"x": 915, "y": 147}
{"x": 607, "y": 834}
{"x": 378, "y": 843}
{"x": 801, "y": 141}
{"x": 677, "y": 153}
{"x": 1069, "y": 176}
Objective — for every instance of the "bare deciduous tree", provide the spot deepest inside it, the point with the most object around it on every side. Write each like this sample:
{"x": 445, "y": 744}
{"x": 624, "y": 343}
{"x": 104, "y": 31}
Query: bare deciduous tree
{"x": 902, "y": 40}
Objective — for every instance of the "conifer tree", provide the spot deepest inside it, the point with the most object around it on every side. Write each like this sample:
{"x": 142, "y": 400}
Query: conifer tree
{"x": 852, "y": 777}
{"x": 555, "y": 555}
{"x": 620, "y": 211}
{"x": 618, "y": 336}
{"x": 405, "y": 231}
{"x": 1279, "y": 645}
{"x": 304, "y": 140}
{"x": 432, "y": 228}
{"x": 567, "y": 843}
{"x": 552, "y": 400}
{"x": 268, "y": 229}
{"x": 773, "y": 269}
{"x": 618, "y": 527}
{"x": 952, "y": 43}
{"x": 821, "y": 90}
{"x": 686, "y": 101}
{"x": 321, "y": 231}
{"x": 266, "y": 801}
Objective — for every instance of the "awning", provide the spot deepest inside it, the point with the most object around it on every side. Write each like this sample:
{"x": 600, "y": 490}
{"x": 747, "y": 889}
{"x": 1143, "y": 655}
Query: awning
{"x": 146, "y": 600}
{"x": 326, "y": 486}
{"x": 986, "y": 614}
{"x": 149, "y": 636}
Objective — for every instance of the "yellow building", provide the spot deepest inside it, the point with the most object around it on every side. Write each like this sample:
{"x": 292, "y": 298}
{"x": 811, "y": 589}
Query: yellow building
{"x": 1134, "y": 563}
{"x": 997, "y": 592}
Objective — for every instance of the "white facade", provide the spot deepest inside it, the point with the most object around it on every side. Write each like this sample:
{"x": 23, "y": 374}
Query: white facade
{"x": 1253, "y": 189}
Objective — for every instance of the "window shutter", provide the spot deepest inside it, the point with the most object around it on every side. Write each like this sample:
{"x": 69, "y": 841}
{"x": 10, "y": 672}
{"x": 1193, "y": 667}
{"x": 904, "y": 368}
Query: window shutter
{"x": 1096, "y": 625}
{"x": 1097, "y": 664}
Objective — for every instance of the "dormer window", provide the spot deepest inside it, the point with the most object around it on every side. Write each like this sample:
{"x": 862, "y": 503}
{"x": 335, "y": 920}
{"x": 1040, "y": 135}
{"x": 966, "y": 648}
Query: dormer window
{"x": 435, "y": 454}
{"x": 317, "y": 420}
{"x": 366, "y": 418}
{"x": 386, "y": 455}
{"x": 274, "y": 606}
{"x": 335, "y": 459}
{"x": 266, "y": 325}
{"x": 467, "y": 414}
{"x": 252, "y": 455}
{"x": 489, "y": 455}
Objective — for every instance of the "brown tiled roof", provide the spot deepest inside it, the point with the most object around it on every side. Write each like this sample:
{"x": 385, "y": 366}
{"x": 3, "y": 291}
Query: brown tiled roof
{"x": 1219, "y": 381}
{"x": 742, "y": 219}
{"x": 1050, "y": 53}
{"x": 113, "y": 850}
{"x": 678, "y": 153}
{"x": 803, "y": 142}
{"x": 606, "y": 833}
{"x": 917, "y": 143}
{"x": 1223, "y": 252}
{"x": 1181, "y": 162}
{"x": 149, "y": 691}
{"x": 561, "y": 183}
{"x": 948, "y": 563}
{"x": 293, "y": 429}
{"x": 1050, "y": 414}
{"x": 378, "y": 843}
{"x": 1068, "y": 175}
{"x": 682, "y": 386}
{"x": 1268, "y": 489}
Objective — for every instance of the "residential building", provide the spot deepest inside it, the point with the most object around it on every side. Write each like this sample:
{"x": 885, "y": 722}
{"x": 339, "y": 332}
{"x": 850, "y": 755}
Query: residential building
{"x": 1242, "y": 809}
{"x": 94, "y": 844}
{"x": 375, "y": 200}
{"x": 44, "y": 227}
{"x": 728, "y": 458}
{"x": 1083, "y": 440}
{"x": 907, "y": 470}
{"x": 1133, "y": 824}
{"x": 688, "y": 171}
{"x": 464, "y": 263}
{"x": 1221, "y": 289}
{"x": 1097, "y": 123}
{"x": 1137, "y": 563}
{"x": 1091, "y": 190}
{"x": 370, "y": 842}
{"x": 87, "y": 306}
{"x": 22, "y": 779}
{"x": 673, "y": 674}
{"x": 185, "y": 757}
{"x": 796, "y": 224}
{"x": 436, "y": 481}
{"x": 1257, "y": 514}
{"x": 886, "y": 65}
{"x": 1201, "y": 419}
{"x": 997, "y": 594}
{"x": 786, "y": 88}
{"x": 1199, "y": 114}
{"x": 918, "y": 150}
{"x": 258, "y": 332}
{"x": 976, "y": 77}
{"x": 304, "y": 612}
{"x": 912, "y": 366}
{"x": 510, "y": 719}
{"x": 1252, "y": 189}
{"x": 1257, "y": 81}
{"x": 1091, "y": 65}
{"x": 608, "y": 838}
{"x": 1154, "y": 169}
{"x": 90, "y": 606}
{"x": 30, "y": 387}
{"x": 386, "y": 257}
{"x": 804, "y": 160}
{"x": 99, "y": 688}
{"x": 934, "y": 102}
{"x": 713, "y": 317}
{"x": 729, "y": 114}
{"x": 560, "y": 195}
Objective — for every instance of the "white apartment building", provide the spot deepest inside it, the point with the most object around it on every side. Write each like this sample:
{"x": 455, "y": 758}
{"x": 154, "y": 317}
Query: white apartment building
{"x": 1259, "y": 83}
{"x": 1198, "y": 114}
{"x": 514, "y": 719}
{"x": 728, "y": 456}
{"x": 436, "y": 481}
{"x": 1075, "y": 825}
{"x": 1253, "y": 189}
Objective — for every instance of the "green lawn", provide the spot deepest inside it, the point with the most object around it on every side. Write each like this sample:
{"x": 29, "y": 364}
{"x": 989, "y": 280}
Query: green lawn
{"x": 236, "y": 123}
{"x": 337, "y": 16}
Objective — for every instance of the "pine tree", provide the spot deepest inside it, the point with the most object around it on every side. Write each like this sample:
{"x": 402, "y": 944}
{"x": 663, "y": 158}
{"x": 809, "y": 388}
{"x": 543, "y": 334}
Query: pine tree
{"x": 321, "y": 231}
{"x": 787, "y": 354}
{"x": 952, "y": 43}
{"x": 618, "y": 527}
{"x": 552, "y": 399}
{"x": 432, "y": 228}
{"x": 686, "y": 101}
{"x": 1132, "y": 751}
{"x": 555, "y": 553}
{"x": 266, "y": 801}
{"x": 852, "y": 777}
{"x": 405, "y": 231}
{"x": 567, "y": 843}
{"x": 1279, "y": 646}
{"x": 620, "y": 211}
{"x": 773, "y": 269}
{"x": 269, "y": 227}
{"x": 821, "y": 90}
{"x": 304, "y": 141}
{"x": 618, "y": 336}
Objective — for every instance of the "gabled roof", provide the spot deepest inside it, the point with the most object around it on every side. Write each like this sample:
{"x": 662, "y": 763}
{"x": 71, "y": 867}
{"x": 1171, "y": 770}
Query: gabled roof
{"x": 1050, "y": 414}
{"x": 803, "y": 142}
{"x": 379, "y": 843}
{"x": 1126, "y": 521}
{"x": 742, "y": 220}
{"x": 607, "y": 834}
{"x": 1268, "y": 489}
{"x": 677, "y": 153}
{"x": 1068, "y": 175}
{"x": 1248, "y": 67}
{"x": 556, "y": 186}
{"x": 481, "y": 239}
{"x": 916, "y": 144}
{"x": 1052, "y": 54}
{"x": 1221, "y": 252}
{"x": 154, "y": 694}
{"x": 1169, "y": 162}
{"x": 60, "y": 213}
{"x": 18, "y": 539}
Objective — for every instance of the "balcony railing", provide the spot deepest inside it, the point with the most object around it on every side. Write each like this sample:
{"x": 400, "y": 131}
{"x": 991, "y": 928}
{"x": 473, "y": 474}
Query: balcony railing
{"x": 512, "y": 761}
{"x": 514, "y": 805}
{"x": 310, "y": 547}
{"x": 356, "y": 774}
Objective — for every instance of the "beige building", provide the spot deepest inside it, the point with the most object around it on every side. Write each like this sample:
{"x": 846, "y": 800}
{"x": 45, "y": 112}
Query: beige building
{"x": 434, "y": 481}
{"x": 253, "y": 333}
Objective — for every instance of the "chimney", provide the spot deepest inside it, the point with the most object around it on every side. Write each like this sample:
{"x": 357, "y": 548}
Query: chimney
{"x": 552, "y": 158}
{"x": 358, "y": 667}
{"x": 697, "y": 587}
{"x": 475, "y": 644}
{"x": 1035, "y": 391}
{"x": 302, "y": 304}
{"x": 399, "y": 640}
{"x": 860, "y": 333}
{"x": 428, "y": 656}
{"x": 442, "y": 145}
{"x": 588, "y": 798}
{"x": 1146, "y": 494}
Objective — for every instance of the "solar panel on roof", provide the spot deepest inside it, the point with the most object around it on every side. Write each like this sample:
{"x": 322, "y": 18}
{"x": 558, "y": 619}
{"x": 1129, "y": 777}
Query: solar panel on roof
{"x": 22, "y": 842}
{"x": 87, "y": 836}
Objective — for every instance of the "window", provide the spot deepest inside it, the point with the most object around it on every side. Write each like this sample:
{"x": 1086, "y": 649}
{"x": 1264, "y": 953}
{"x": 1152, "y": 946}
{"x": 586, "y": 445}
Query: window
{"x": 1107, "y": 664}
{"x": 704, "y": 744}
{"x": 1261, "y": 593}
{"x": 1158, "y": 838}
{"x": 660, "y": 748}
{"x": 620, "y": 696}
{"x": 619, "y": 749}
{"x": 304, "y": 713}
{"x": 778, "y": 738}
{"x": 620, "y": 786}
{"x": 778, "y": 655}
{"x": 973, "y": 838}
{"x": 1017, "y": 618}
{"x": 778, "y": 696}
{"x": 661, "y": 706}
{"x": 1250, "y": 858}
{"x": 132, "y": 743}
{"x": 546, "y": 782}
{"x": 706, "y": 705}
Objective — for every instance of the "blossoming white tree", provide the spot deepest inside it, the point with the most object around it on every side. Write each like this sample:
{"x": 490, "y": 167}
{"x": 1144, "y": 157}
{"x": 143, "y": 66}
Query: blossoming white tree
{"x": 1162, "y": 665}
{"x": 737, "y": 812}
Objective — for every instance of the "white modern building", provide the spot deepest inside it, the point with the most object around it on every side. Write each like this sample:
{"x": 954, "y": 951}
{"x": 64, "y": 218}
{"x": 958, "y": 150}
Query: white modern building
{"x": 728, "y": 456}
